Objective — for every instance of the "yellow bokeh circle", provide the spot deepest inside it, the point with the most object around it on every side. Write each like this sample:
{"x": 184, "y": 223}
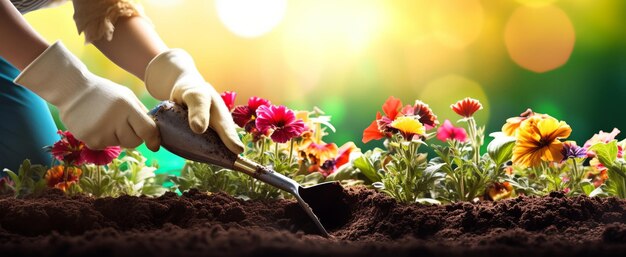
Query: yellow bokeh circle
{"x": 456, "y": 23}
{"x": 539, "y": 39}
{"x": 536, "y": 3}
{"x": 445, "y": 91}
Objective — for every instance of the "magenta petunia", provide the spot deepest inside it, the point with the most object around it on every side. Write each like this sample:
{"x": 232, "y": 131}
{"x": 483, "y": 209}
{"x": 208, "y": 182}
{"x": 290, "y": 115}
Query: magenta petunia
{"x": 447, "y": 131}
{"x": 100, "y": 157}
{"x": 244, "y": 115}
{"x": 68, "y": 149}
{"x": 279, "y": 122}
{"x": 229, "y": 99}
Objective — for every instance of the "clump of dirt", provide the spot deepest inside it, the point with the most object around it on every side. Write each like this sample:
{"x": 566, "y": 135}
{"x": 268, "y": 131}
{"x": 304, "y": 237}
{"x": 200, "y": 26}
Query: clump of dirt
{"x": 362, "y": 222}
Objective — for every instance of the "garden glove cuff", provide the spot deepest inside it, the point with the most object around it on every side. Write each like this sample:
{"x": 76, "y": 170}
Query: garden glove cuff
{"x": 173, "y": 75}
{"x": 96, "y": 110}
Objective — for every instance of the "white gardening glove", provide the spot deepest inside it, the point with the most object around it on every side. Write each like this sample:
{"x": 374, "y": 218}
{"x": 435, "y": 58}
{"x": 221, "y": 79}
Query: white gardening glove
{"x": 172, "y": 75}
{"x": 96, "y": 110}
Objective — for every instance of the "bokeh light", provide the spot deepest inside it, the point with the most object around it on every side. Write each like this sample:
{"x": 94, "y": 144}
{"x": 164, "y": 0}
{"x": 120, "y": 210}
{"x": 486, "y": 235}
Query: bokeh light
{"x": 348, "y": 56}
{"x": 456, "y": 23}
{"x": 536, "y": 3}
{"x": 251, "y": 18}
{"x": 445, "y": 91}
{"x": 539, "y": 39}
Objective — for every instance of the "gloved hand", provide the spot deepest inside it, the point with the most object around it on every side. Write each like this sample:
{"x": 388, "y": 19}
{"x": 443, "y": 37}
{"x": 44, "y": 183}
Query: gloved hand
{"x": 172, "y": 75}
{"x": 96, "y": 110}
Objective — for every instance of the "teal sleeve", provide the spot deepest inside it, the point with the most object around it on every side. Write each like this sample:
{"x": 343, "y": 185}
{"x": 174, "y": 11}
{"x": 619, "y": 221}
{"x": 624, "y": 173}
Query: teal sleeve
{"x": 26, "y": 125}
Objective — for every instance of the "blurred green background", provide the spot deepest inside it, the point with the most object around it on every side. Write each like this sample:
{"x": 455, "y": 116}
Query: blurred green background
{"x": 566, "y": 57}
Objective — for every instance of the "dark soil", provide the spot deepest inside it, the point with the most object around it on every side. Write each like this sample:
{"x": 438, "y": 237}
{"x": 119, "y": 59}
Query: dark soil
{"x": 368, "y": 224}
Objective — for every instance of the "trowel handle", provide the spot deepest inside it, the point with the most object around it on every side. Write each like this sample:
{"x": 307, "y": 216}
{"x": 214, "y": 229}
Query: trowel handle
{"x": 265, "y": 174}
{"x": 177, "y": 137}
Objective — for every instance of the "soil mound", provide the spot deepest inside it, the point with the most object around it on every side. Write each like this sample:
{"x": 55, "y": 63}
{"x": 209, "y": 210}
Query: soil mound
{"x": 362, "y": 222}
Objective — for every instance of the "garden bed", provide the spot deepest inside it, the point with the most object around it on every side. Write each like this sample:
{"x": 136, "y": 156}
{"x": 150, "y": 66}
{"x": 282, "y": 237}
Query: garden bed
{"x": 372, "y": 224}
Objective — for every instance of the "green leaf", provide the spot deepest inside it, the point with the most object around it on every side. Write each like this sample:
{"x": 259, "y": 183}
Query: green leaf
{"x": 606, "y": 152}
{"x": 500, "y": 149}
{"x": 312, "y": 179}
{"x": 428, "y": 201}
{"x": 587, "y": 187}
{"x": 365, "y": 165}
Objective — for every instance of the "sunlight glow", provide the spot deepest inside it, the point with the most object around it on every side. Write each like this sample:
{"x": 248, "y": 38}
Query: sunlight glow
{"x": 539, "y": 39}
{"x": 456, "y": 23}
{"x": 251, "y": 18}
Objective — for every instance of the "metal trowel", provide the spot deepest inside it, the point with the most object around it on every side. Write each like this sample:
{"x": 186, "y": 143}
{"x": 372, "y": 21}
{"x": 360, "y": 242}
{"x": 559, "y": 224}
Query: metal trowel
{"x": 178, "y": 138}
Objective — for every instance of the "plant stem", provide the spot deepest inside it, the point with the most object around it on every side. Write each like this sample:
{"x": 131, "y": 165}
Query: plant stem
{"x": 474, "y": 137}
{"x": 262, "y": 157}
{"x": 98, "y": 193}
{"x": 577, "y": 175}
{"x": 290, "y": 151}
{"x": 276, "y": 154}
{"x": 65, "y": 175}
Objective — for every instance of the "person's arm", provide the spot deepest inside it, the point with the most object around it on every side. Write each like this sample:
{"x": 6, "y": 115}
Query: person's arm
{"x": 97, "y": 111}
{"x": 20, "y": 43}
{"x": 133, "y": 45}
{"x": 169, "y": 74}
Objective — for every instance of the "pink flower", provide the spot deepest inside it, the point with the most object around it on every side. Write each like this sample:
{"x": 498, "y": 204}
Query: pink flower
{"x": 601, "y": 136}
{"x": 100, "y": 157}
{"x": 466, "y": 107}
{"x": 447, "y": 131}
{"x": 245, "y": 116}
{"x": 229, "y": 99}
{"x": 278, "y": 122}
{"x": 68, "y": 149}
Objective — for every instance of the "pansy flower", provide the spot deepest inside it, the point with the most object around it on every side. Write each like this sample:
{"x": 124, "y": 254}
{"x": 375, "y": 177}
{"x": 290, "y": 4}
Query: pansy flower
{"x": 408, "y": 127}
{"x": 62, "y": 177}
{"x": 601, "y": 137}
{"x": 498, "y": 190}
{"x": 538, "y": 139}
{"x": 245, "y": 115}
{"x": 229, "y": 99}
{"x": 343, "y": 157}
{"x": 279, "y": 123}
{"x": 100, "y": 157}
{"x": 571, "y": 150}
{"x": 380, "y": 128}
{"x": 447, "y": 131}
{"x": 423, "y": 111}
{"x": 318, "y": 154}
{"x": 68, "y": 149}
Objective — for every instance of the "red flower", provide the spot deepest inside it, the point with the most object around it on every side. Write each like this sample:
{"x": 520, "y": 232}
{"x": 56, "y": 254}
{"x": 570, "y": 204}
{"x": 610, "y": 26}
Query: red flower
{"x": 62, "y": 177}
{"x": 245, "y": 116}
{"x": 68, "y": 149}
{"x": 426, "y": 115}
{"x": 372, "y": 132}
{"x": 278, "y": 122}
{"x": 466, "y": 107}
{"x": 447, "y": 131}
{"x": 100, "y": 157}
{"x": 229, "y": 99}
{"x": 380, "y": 128}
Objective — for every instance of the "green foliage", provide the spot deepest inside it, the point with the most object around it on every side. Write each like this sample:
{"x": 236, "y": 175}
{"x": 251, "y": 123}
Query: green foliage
{"x": 28, "y": 179}
{"x": 607, "y": 155}
{"x": 407, "y": 176}
{"x": 126, "y": 175}
{"x": 500, "y": 149}
{"x": 205, "y": 177}
{"x": 370, "y": 165}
